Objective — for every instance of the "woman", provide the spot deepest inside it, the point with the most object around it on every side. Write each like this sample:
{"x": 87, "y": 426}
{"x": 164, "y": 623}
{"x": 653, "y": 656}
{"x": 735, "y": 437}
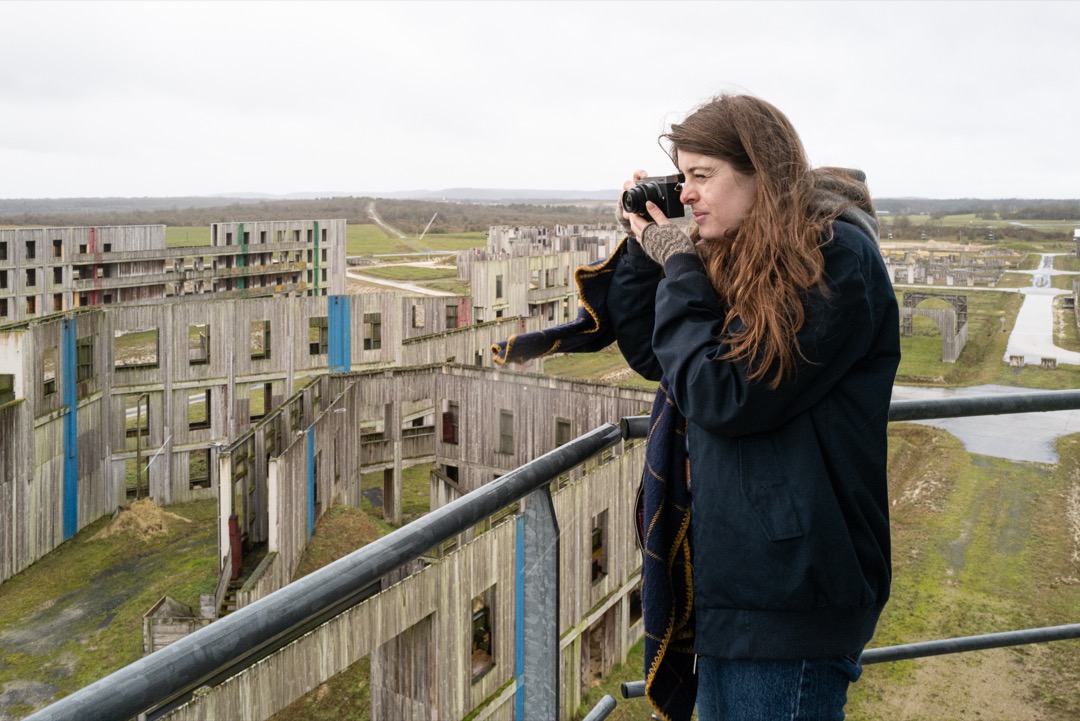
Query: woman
{"x": 774, "y": 330}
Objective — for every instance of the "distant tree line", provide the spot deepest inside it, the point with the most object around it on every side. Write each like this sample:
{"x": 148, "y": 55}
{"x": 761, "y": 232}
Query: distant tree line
{"x": 1008, "y": 208}
{"x": 410, "y": 216}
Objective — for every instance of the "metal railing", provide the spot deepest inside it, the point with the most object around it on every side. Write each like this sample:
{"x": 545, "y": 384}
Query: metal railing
{"x": 162, "y": 679}
{"x": 919, "y": 410}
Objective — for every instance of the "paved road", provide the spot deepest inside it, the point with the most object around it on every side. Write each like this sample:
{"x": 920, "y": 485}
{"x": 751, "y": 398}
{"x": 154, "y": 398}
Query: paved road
{"x": 1033, "y": 334}
{"x": 1015, "y": 436}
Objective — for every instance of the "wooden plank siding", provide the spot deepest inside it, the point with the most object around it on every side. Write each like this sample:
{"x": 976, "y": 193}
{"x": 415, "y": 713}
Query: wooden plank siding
{"x": 432, "y": 609}
{"x": 170, "y": 378}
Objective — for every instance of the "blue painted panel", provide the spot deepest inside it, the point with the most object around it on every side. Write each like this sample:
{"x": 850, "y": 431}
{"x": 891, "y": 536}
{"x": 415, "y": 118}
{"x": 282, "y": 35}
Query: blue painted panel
{"x": 311, "y": 481}
{"x": 340, "y": 350}
{"x": 70, "y": 496}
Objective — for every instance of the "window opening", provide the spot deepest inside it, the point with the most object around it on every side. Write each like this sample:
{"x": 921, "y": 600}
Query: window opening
{"x": 260, "y": 339}
{"x": 599, "y": 546}
{"x": 483, "y": 649}
{"x": 198, "y": 407}
{"x": 372, "y": 331}
{"x": 506, "y": 431}
{"x": 48, "y": 377}
{"x": 318, "y": 335}
{"x": 135, "y": 348}
{"x": 198, "y": 344}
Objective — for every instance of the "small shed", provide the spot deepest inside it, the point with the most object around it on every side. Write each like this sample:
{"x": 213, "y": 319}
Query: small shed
{"x": 168, "y": 620}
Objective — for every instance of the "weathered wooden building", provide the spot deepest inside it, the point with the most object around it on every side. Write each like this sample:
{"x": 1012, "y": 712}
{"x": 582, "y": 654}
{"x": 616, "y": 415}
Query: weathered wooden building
{"x": 279, "y": 406}
{"x": 49, "y": 270}
{"x": 528, "y": 271}
{"x": 421, "y": 633}
{"x": 123, "y": 401}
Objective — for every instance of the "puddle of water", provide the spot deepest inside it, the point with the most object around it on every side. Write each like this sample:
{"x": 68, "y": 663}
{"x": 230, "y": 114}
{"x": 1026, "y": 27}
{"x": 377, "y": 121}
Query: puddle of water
{"x": 1013, "y": 436}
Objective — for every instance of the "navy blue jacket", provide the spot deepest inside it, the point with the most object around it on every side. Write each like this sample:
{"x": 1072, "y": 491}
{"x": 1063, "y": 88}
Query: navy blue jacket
{"x": 790, "y": 515}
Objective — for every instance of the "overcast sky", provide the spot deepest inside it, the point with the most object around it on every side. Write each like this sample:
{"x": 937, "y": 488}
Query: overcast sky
{"x": 938, "y": 99}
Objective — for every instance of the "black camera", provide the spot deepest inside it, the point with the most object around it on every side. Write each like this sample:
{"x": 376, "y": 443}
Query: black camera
{"x": 662, "y": 190}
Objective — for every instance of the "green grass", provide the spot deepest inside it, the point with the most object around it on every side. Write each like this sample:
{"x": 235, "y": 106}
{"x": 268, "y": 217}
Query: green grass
{"x": 1067, "y": 262}
{"x": 457, "y": 287}
{"x": 981, "y": 361}
{"x": 182, "y": 237}
{"x": 415, "y": 491}
{"x": 606, "y": 366}
{"x": 412, "y": 272}
{"x": 371, "y": 239}
{"x": 979, "y": 545}
{"x": 100, "y": 589}
{"x": 625, "y": 709}
{"x": 345, "y": 696}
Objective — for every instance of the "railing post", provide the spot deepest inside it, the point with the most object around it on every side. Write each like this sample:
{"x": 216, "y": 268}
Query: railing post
{"x": 537, "y": 606}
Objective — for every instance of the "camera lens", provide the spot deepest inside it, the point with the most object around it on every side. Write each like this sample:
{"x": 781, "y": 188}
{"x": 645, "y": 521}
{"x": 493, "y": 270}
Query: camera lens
{"x": 634, "y": 199}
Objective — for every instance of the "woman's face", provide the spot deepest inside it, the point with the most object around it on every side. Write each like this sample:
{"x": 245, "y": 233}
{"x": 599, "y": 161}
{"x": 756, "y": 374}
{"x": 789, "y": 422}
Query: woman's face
{"x": 719, "y": 196}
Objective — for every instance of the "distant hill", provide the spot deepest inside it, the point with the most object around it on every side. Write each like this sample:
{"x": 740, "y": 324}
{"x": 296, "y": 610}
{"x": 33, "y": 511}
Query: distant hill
{"x": 457, "y": 209}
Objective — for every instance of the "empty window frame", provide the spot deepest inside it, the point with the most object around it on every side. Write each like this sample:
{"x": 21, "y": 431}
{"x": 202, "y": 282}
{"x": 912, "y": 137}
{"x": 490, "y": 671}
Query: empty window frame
{"x": 198, "y": 409}
{"x": 318, "y": 335}
{"x": 483, "y": 633}
{"x": 418, "y": 316}
{"x": 599, "y": 546}
{"x": 31, "y": 277}
{"x": 198, "y": 344}
{"x": 498, "y": 286}
{"x": 31, "y": 249}
{"x": 7, "y": 389}
{"x": 136, "y": 422}
{"x": 48, "y": 375}
{"x": 199, "y": 469}
{"x": 31, "y": 304}
{"x": 260, "y": 400}
{"x": 260, "y": 339}
{"x": 451, "y": 316}
{"x": 372, "y": 331}
{"x": 564, "y": 431}
{"x": 84, "y": 359}
{"x": 3, "y": 250}
{"x": 135, "y": 348}
{"x": 450, "y": 422}
{"x": 3, "y": 279}
{"x": 58, "y": 248}
{"x": 506, "y": 431}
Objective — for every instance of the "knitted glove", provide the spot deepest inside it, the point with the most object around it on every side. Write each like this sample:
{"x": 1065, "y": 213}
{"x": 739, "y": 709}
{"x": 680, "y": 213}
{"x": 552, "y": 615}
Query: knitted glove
{"x": 663, "y": 241}
{"x": 621, "y": 219}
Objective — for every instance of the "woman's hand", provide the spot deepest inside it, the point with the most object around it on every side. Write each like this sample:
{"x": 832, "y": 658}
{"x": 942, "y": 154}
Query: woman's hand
{"x": 632, "y": 223}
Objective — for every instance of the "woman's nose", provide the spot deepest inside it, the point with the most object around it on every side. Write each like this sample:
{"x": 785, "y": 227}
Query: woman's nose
{"x": 686, "y": 195}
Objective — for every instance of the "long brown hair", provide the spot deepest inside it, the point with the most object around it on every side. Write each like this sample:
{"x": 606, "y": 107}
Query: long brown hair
{"x": 766, "y": 266}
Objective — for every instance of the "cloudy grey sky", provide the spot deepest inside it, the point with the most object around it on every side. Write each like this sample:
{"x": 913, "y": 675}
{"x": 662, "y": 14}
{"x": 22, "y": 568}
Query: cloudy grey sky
{"x": 941, "y": 99}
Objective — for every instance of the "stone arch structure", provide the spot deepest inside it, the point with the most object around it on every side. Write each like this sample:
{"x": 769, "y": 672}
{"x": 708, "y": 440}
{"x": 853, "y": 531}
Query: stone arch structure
{"x": 953, "y": 323}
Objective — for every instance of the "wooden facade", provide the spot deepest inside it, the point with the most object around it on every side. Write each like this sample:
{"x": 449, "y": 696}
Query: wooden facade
{"x": 51, "y": 270}
{"x": 132, "y": 399}
{"x": 401, "y": 628}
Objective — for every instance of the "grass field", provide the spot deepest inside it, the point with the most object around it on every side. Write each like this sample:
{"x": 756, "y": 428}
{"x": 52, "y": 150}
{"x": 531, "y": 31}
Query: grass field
{"x": 411, "y": 273}
{"x": 76, "y": 615}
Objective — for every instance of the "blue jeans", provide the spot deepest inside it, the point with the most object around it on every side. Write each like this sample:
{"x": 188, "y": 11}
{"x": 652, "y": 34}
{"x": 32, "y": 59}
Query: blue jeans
{"x": 751, "y": 690}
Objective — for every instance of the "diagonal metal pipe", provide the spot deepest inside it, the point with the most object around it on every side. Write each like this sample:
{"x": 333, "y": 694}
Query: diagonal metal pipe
{"x": 266, "y": 624}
